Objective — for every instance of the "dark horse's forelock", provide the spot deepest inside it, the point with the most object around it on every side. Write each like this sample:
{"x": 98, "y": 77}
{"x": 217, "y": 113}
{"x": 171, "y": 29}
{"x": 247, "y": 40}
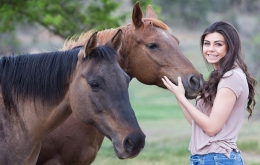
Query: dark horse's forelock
{"x": 103, "y": 52}
{"x": 44, "y": 75}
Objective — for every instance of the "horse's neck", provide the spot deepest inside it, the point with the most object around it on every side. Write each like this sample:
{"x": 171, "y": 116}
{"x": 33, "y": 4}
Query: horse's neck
{"x": 40, "y": 121}
{"x": 24, "y": 131}
{"x": 39, "y": 108}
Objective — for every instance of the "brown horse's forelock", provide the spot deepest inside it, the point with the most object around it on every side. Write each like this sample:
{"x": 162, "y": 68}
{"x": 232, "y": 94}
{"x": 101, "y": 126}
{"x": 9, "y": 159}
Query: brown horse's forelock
{"x": 45, "y": 76}
{"x": 157, "y": 23}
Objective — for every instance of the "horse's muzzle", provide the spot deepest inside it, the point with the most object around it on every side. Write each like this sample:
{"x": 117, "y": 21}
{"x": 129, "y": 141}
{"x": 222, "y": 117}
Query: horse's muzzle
{"x": 195, "y": 84}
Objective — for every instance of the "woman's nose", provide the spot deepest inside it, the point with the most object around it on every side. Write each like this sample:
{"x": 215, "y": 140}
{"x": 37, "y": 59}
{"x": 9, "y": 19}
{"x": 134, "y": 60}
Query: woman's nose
{"x": 211, "y": 48}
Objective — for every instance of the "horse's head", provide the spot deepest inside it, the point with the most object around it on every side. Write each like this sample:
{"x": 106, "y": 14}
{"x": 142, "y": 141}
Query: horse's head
{"x": 99, "y": 96}
{"x": 154, "y": 52}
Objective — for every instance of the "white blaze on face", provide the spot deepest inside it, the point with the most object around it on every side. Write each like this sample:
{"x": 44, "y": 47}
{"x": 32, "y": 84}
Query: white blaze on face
{"x": 165, "y": 35}
{"x": 168, "y": 37}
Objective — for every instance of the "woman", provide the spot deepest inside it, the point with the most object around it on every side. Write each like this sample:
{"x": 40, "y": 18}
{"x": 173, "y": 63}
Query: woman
{"x": 217, "y": 117}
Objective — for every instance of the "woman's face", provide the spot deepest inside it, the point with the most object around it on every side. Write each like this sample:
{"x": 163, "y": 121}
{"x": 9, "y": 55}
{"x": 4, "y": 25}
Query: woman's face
{"x": 214, "y": 48}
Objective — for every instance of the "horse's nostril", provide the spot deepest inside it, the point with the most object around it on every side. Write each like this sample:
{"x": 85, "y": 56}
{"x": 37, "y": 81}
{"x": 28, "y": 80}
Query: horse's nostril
{"x": 194, "y": 82}
{"x": 129, "y": 145}
{"x": 134, "y": 143}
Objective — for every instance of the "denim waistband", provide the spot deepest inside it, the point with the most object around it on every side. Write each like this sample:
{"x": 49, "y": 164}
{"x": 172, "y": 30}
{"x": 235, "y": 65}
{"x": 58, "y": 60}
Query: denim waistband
{"x": 217, "y": 159}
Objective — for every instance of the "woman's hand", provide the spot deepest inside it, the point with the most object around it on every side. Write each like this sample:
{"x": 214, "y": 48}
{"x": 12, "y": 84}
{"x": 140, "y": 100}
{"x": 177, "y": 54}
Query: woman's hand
{"x": 177, "y": 90}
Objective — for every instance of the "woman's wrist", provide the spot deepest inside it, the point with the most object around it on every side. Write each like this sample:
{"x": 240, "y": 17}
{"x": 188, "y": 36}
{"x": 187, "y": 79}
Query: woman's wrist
{"x": 181, "y": 98}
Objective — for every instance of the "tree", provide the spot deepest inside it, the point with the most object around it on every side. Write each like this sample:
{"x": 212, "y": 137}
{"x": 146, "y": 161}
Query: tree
{"x": 61, "y": 17}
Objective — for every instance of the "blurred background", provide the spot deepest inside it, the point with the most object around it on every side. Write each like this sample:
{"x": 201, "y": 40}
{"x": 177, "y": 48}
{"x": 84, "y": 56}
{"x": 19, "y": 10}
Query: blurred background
{"x": 30, "y": 26}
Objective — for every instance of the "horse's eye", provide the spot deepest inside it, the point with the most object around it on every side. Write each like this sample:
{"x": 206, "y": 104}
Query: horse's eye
{"x": 152, "y": 46}
{"x": 94, "y": 85}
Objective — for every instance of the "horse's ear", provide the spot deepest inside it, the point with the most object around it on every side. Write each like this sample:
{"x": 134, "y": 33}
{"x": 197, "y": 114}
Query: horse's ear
{"x": 90, "y": 45}
{"x": 116, "y": 41}
{"x": 150, "y": 12}
{"x": 137, "y": 15}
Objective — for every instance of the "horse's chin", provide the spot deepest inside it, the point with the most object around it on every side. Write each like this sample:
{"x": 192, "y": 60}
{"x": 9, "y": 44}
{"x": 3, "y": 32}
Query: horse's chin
{"x": 124, "y": 154}
{"x": 119, "y": 150}
{"x": 120, "y": 155}
{"x": 190, "y": 97}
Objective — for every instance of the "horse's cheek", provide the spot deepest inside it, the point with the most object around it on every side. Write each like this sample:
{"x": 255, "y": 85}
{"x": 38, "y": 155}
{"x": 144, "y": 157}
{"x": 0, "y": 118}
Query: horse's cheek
{"x": 78, "y": 100}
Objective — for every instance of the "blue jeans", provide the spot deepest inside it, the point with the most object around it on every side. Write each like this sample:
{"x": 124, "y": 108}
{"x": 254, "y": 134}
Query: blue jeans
{"x": 217, "y": 159}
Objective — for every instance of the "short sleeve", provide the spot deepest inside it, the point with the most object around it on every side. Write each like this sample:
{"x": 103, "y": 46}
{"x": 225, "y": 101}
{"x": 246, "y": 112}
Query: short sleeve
{"x": 233, "y": 81}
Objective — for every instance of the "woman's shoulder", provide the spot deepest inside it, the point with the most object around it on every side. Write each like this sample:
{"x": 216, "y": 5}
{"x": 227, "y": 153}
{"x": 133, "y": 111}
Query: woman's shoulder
{"x": 234, "y": 77}
{"x": 228, "y": 73}
{"x": 235, "y": 73}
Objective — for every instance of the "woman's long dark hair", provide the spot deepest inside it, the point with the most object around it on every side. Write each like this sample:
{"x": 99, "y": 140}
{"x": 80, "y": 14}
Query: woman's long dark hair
{"x": 234, "y": 56}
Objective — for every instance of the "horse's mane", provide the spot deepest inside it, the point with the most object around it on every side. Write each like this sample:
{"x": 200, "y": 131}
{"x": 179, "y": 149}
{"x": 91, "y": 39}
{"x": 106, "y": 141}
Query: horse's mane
{"x": 45, "y": 76}
{"x": 77, "y": 40}
{"x": 106, "y": 34}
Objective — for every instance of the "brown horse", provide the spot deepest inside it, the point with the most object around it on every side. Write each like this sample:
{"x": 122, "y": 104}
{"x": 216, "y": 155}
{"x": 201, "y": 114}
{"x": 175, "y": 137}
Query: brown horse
{"x": 39, "y": 91}
{"x": 148, "y": 52}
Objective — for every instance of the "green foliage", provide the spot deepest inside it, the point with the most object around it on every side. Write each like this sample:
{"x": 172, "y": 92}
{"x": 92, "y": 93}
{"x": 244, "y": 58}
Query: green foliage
{"x": 249, "y": 146}
{"x": 253, "y": 55}
{"x": 251, "y": 6}
{"x": 63, "y": 18}
{"x": 105, "y": 21}
{"x": 194, "y": 13}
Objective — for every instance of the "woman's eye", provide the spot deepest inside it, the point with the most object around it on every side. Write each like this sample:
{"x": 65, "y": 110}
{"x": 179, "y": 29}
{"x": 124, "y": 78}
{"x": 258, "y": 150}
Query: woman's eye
{"x": 152, "y": 46}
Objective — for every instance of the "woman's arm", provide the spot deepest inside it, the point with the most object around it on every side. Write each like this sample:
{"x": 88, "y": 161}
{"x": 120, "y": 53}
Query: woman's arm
{"x": 222, "y": 107}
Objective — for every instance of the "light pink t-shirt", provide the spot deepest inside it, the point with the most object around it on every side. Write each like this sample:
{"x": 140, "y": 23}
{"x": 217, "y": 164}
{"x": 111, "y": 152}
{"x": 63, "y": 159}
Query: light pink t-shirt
{"x": 224, "y": 141}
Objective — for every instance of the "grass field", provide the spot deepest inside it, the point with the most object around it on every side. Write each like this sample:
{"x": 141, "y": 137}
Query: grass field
{"x": 168, "y": 132}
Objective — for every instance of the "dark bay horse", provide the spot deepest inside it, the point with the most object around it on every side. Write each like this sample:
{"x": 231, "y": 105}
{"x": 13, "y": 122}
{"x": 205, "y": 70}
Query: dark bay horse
{"x": 39, "y": 91}
{"x": 149, "y": 51}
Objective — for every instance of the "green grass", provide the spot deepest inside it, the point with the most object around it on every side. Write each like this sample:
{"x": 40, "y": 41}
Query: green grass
{"x": 249, "y": 146}
{"x": 168, "y": 132}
